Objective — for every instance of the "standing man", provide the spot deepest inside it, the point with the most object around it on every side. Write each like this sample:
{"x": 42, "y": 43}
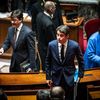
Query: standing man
{"x": 22, "y": 42}
{"x": 57, "y": 18}
{"x": 45, "y": 29}
{"x": 60, "y": 61}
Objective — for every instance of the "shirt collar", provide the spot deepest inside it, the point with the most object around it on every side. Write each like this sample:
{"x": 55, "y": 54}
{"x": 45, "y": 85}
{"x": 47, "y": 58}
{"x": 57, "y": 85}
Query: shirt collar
{"x": 65, "y": 44}
{"x": 20, "y": 26}
{"x": 51, "y": 16}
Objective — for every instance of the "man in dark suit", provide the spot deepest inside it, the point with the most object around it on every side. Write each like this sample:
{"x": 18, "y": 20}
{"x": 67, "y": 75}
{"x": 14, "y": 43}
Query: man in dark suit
{"x": 57, "y": 19}
{"x": 60, "y": 65}
{"x": 45, "y": 28}
{"x": 22, "y": 43}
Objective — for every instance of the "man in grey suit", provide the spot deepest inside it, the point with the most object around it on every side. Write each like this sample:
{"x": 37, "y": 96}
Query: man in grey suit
{"x": 45, "y": 29}
{"x": 22, "y": 42}
{"x": 60, "y": 70}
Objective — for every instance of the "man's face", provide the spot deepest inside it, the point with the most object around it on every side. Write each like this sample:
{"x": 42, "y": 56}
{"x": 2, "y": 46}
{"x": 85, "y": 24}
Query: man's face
{"x": 61, "y": 37}
{"x": 53, "y": 8}
{"x": 15, "y": 22}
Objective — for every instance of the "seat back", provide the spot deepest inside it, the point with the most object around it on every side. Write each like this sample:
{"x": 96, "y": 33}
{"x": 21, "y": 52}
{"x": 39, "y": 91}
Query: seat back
{"x": 91, "y": 26}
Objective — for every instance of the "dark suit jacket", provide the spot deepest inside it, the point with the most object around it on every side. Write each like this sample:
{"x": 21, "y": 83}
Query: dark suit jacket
{"x": 56, "y": 69}
{"x": 36, "y": 8}
{"x": 24, "y": 49}
{"x": 46, "y": 33}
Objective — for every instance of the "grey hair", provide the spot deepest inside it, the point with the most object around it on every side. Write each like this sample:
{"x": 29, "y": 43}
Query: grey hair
{"x": 64, "y": 29}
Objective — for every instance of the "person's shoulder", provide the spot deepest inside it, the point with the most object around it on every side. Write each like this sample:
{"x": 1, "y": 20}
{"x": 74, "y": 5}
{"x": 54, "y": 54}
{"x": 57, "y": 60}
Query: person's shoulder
{"x": 95, "y": 35}
{"x": 40, "y": 14}
{"x": 27, "y": 29}
{"x": 73, "y": 42}
{"x": 52, "y": 42}
{"x": 10, "y": 28}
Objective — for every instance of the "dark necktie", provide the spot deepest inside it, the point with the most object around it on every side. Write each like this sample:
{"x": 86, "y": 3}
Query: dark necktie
{"x": 62, "y": 52}
{"x": 15, "y": 35}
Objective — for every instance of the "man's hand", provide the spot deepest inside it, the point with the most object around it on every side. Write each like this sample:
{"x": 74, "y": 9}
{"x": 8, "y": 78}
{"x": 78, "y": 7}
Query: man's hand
{"x": 1, "y": 51}
{"x": 49, "y": 82}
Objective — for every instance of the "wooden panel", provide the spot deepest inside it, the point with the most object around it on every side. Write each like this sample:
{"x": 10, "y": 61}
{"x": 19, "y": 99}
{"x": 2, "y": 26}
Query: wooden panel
{"x": 40, "y": 78}
{"x": 22, "y": 86}
{"x": 22, "y": 78}
{"x": 74, "y": 27}
{"x": 68, "y": 7}
{"x": 22, "y": 97}
{"x": 91, "y": 76}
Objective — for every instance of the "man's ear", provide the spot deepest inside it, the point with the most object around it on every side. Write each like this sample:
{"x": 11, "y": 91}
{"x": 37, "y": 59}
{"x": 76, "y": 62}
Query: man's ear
{"x": 67, "y": 35}
{"x": 51, "y": 9}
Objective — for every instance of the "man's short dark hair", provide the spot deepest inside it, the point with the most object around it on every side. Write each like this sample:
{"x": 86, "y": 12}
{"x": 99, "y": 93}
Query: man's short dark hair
{"x": 64, "y": 29}
{"x": 57, "y": 93}
{"x": 43, "y": 95}
{"x": 17, "y": 14}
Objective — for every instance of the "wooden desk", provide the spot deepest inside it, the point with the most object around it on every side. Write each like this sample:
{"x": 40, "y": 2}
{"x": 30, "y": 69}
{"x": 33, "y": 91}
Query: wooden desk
{"x": 89, "y": 85}
{"x": 74, "y": 26}
{"x": 91, "y": 76}
{"x": 22, "y": 86}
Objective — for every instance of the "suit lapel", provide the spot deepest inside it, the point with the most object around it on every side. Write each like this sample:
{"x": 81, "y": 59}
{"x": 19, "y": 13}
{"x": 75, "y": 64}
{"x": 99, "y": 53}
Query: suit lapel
{"x": 57, "y": 52}
{"x": 67, "y": 52}
{"x": 12, "y": 36}
{"x": 19, "y": 37}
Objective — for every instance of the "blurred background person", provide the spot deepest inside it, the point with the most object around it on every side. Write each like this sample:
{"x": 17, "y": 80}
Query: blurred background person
{"x": 43, "y": 95}
{"x": 92, "y": 53}
{"x": 57, "y": 93}
{"x": 45, "y": 29}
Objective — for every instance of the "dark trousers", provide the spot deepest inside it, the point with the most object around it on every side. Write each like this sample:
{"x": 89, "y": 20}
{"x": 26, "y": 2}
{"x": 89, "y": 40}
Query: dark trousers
{"x": 69, "y": 91}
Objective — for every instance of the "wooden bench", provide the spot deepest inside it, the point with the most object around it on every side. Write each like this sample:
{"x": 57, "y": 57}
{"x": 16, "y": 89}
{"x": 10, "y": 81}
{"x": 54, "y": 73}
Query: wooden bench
{"x": 93, "y": 92}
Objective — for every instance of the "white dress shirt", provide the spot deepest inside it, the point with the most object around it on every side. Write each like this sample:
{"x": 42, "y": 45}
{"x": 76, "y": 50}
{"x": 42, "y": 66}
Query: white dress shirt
{"x": 18, "y": 31}
{"x": 65, "y": 48}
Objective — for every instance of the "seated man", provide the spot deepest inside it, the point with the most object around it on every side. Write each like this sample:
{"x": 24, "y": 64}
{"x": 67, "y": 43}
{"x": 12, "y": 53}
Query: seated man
{"x": 57, "y": 93}
{"x": 92, "y": 54}
{"x": 43, "y": 95}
